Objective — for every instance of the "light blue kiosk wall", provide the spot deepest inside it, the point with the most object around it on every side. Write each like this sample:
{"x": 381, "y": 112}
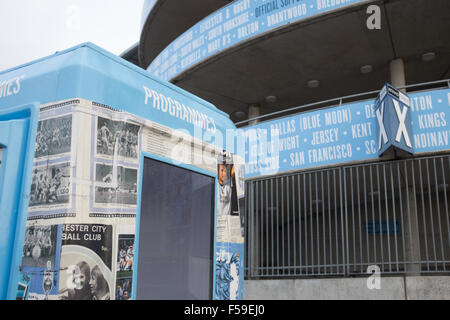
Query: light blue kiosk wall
{"x": 69, "y": 195}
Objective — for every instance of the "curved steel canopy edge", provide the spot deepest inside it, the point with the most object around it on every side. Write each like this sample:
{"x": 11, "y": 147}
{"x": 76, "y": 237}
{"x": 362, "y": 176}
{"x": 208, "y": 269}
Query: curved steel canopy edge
{"x": 236, "y": 23}
{"x": 163, "y": 21}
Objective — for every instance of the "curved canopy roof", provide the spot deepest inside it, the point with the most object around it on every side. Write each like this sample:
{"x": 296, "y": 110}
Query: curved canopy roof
{"x": 167, "y": 20}
{"x": 331, "y": 48}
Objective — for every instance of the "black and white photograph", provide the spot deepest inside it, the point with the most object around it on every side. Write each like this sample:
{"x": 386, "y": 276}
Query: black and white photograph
{"x": 85, "y": 281}
{"x": 115, "y": 184}
{"x": 39, "y": 246}
{"x": 50, "y": 185}
{"x": 86, "y": 260}
{"x": 53, "y": 136}
{"x": 117, "y": 138}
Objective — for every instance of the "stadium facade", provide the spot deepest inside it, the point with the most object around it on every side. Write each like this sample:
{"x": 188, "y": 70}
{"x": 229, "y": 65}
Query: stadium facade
{"x": 326, "y": 211}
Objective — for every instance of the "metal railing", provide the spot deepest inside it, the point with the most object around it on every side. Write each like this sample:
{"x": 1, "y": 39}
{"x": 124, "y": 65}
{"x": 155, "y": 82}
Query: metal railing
{"x": 345, "y": 99}
{"x": 339, "y": 221}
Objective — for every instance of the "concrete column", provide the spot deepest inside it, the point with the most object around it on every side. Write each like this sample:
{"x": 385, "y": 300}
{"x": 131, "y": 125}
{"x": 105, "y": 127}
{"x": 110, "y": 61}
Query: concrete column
{"x": 411, "y": 228}
{"x": 397, "y": 70}
{"x": 254, "y": 235}
{"x": 254, "y": 110}
{"x": 411, "y": 231}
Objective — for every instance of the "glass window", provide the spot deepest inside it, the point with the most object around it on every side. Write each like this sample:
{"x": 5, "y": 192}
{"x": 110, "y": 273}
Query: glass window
{"x": 176, "y": 233}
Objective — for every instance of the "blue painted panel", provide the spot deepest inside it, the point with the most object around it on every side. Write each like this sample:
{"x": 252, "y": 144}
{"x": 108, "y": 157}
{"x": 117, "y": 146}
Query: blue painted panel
{"x": 14, "y": 137}
{"x": 393, "y": 120}
{"x": 377, "y": 227}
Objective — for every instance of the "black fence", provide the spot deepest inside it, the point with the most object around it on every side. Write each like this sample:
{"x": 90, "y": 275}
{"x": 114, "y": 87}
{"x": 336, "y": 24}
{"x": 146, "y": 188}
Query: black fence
{"x": 340, "y": 221}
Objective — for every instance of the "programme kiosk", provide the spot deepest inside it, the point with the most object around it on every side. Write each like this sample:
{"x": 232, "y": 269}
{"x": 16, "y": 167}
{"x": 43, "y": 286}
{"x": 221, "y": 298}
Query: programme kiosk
{"x": 115, "y": 185}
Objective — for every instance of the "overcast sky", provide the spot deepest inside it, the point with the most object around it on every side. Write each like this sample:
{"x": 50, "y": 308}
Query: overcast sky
{"x": 31, "y": 29}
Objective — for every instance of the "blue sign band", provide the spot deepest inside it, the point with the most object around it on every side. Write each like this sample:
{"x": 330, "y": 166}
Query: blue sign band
{"x": 237, "y": 22}
{"x": 342, "y": 134}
